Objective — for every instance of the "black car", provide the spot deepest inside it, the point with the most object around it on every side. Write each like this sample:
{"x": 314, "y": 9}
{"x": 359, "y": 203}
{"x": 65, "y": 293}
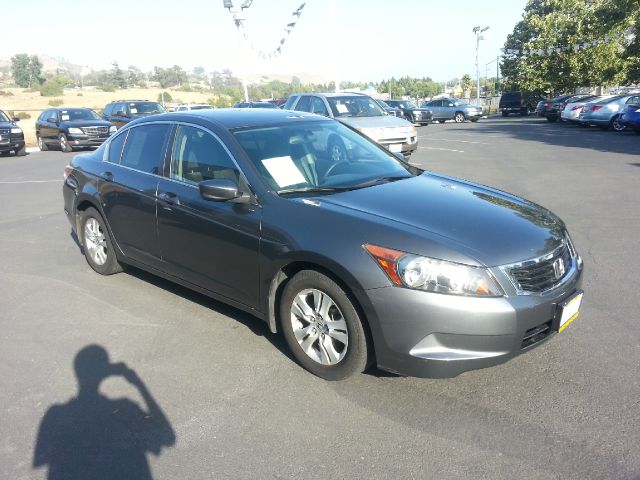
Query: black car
{"x": 122, "y": 112}
{"x": 255, "y": 105}
{"x": 11, "y": 136}
{"x": 396, "y": 112}
{"x": 356, "y": 261}
{"x": 69, "y": 128}
{"x": 522, "y": 103}
{"x": 412, "y": 112}
{"x": 553, "y": 108}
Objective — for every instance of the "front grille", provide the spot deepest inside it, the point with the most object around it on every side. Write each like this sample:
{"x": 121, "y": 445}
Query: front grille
{"x": 539, "y": 276}
{"x": 536, "y": 334}
{"x": 95, "y": 131}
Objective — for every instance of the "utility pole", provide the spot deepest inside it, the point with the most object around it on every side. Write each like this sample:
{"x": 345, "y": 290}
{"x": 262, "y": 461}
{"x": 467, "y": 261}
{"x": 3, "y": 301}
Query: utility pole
{"x": 478, "y": 31}
{"x": 333, "y": 18}
{"x": 239, "y": 18}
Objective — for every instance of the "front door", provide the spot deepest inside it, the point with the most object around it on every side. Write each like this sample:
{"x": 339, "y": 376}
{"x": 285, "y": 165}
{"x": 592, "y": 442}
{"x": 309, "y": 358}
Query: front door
{"x": 211, "y": 244}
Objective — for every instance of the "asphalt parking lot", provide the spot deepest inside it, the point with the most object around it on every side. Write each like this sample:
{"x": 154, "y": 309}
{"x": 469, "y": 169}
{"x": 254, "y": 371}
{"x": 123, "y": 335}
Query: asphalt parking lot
{"x": 230, "y": 401}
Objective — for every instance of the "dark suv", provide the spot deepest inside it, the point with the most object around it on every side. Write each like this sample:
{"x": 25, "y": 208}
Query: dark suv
{"x": 11, "y": 136}
{"x": 412, "y": 112}
{"x": 69, "y": 128}
{"x": 122, "y": 112}
{"x": 522, "y": 103}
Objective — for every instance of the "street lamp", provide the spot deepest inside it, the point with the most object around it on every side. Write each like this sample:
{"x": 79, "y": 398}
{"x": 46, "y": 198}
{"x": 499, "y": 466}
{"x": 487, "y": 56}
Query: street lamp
{"x": 478, "y": 31}
{"x": 238, "y": 18}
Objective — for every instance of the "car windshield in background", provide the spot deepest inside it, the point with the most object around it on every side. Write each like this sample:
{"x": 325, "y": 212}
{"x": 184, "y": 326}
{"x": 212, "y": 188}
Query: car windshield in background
{"x": 355, "y": 107}
{"x": 78, "y": 114}
{"x": 408, "y": 104}
{"x": 146, "y": 107}
{"x": 294, "y": 159}
{"x": 3, "y": 117}
{"x": 457, "y": 103}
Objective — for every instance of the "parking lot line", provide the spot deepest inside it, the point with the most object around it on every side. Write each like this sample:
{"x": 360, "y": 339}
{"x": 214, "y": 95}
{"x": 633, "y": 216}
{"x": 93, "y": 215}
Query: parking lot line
{"x": 30, "y": 181}
{"x": 461, "y": 141}
{"x": 444, "y": 149}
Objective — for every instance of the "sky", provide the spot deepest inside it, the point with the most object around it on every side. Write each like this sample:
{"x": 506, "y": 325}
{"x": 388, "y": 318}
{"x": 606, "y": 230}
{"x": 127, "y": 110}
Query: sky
{"x": 373, "y": 39}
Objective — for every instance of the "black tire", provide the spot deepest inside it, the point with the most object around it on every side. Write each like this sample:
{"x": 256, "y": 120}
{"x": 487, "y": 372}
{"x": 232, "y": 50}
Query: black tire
{"x": 459, "y": 117}
{"x": 409, "y": 118}
{"x": 616, "y": 125}
{"x": 425, "y": 124}
{"x": 42, "y": 145}
{"x": 505, "y": 113}
{"x": 337, "y": 150}
{"x": 111, "y": 264}
{"x": 64, "y": 143}
{"x": 441, "y": 121}
{"x": 358, "y": 350}
{"x": 21, "y": 152}
{"x": 524, "y": 112}
{"x": 551, "y": 119}
{"x": 637, "y": 130}
{"x": 474, "y": 120}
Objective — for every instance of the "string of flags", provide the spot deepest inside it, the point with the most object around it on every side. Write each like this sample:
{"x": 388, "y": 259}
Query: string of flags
{"x": 627, "y": 34}
{"x": 295, "y": 16}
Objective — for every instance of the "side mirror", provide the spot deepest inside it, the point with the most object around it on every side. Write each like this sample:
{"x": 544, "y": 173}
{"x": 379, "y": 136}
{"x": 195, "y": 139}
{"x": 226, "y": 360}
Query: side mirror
{"x": 120, "y": 113}
{"x": 15, "y": 119}
{"x": 221, "y": 190}
{"x": 52, "y": 120}
{"x": 400, "y": 157}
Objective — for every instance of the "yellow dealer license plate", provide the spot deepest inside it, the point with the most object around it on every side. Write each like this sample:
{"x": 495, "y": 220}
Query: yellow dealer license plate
{"x": 569, "y": 310}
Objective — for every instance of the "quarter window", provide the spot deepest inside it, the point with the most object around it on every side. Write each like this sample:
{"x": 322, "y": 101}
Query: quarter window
{"x": 304, "y": 104}
{"x": 144, "y": 147}
{"x": 197, "y": 156}
{"x": 318, "y": 106}
{"x": 115, "y": 148}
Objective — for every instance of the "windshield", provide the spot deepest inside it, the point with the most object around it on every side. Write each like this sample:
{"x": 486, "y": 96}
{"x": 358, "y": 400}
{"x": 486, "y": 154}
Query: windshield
{"x": 78, "y": 114}
{"x": 408, "y": 104}
{"x": 355, "y": 107}
{"x": 3, "y": 117}
{"x": 146, "y": 108}
{"x": 457, "y": 103}
{"x": 316, "y": 157}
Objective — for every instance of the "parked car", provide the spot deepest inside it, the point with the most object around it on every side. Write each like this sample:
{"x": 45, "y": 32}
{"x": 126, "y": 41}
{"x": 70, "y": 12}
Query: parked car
{"x": 278, "y": 102}
{"x": 571, "y": 112}
{"x": 362, "y": 113}
{"x": 412, "y": 112}
{"x": 396, "y": 112}
{"x": 71, "y": 128}
{"x": 11, "y": 136}
{"x": 520, "y": 102}
{"x": 630, "y": 116}
{"x": 553, "y": 111}
{"x": 541, "y": 107}
{"x": 605, "y": 113}
{"x": 255, "y": 105}
{"x": 122, "y": 112}
{"x": 444, "y": 109}
{"x": 186, "y": 107}
{"x": 356, "y": 262}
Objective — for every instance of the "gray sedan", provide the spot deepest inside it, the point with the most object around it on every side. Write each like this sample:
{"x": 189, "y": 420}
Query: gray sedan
{"x": 444, "y": 109}
{"x": 605, "y": 113}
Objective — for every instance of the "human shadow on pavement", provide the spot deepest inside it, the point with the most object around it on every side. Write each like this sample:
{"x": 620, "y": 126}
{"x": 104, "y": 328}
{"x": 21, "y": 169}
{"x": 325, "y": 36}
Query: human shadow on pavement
{"x": 98, "y": 438}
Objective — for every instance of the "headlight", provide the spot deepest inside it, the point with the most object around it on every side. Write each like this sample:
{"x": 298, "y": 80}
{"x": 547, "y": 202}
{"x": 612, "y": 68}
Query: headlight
{"x": 112, "y": 129}
{"x": 16, "y": 130}
{"x": 75, "y": 131}
{"x": 433, "y": 275}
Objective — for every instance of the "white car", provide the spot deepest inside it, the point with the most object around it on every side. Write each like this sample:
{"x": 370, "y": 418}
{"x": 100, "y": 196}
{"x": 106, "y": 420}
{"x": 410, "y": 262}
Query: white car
{"x": 571, "y": 112}
{"x": 185, "y": 107}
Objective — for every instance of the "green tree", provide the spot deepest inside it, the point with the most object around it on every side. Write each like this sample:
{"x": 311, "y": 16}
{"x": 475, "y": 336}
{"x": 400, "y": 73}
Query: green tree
{"x": 26, "y": 70}
{"x": 466, "y": 83}
{"x": 117, "y": 76}
{"x": 170, "y": 77}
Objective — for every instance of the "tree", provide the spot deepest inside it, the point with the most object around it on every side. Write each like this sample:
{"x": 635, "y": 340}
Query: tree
{"x": 466, "y": 83}
{"x": 117, "y": 76}
{"x": 26, "y": 70}
{"x": 170, "y": 77}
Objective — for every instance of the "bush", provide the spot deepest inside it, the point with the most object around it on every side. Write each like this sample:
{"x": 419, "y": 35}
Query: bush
{"x": 22, "y": 115}
{"x": 167, "y": 97}
{"x": 80, "y": 94}
{"x": 221, "y": 102}
{"x": 52, "y": 89}
{"x": 5, "y": 94}
{"x": 107, "y": 87}
{"x": 55, "y": 102}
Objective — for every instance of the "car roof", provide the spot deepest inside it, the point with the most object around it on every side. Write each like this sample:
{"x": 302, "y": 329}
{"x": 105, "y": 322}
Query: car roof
{"x": 232, "y": 118}
{"x": 334, "y": 94}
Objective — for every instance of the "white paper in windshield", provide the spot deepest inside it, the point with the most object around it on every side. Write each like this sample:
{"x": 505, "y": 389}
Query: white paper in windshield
{"x": 133, "y": 110}
{"x": 342, "y": 108}
{"x": 283, "y": 171}
{"x": 65, "y": 118}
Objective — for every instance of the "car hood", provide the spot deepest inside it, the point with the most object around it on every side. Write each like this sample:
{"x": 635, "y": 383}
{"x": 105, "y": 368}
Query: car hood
{"x": 374, "y": 122}
{"x": 489, "y": 226}
{"x": 86, "y": 123}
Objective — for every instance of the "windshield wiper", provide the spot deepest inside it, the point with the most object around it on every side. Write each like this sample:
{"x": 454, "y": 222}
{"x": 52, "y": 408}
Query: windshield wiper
{"x": 313, "y": 190}
{"x": 378, "y": 181}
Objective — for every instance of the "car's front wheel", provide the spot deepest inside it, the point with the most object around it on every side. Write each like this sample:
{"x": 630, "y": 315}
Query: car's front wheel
{"x": 21, "y": 152}
{"x": 97, "y": 244}
{"x": 322, "y": 327}
{"x": 41, "y": 145}
{"x": 616, "y": 125}
{"x": 64, "y": 143}
{"x": 459, "y": 117}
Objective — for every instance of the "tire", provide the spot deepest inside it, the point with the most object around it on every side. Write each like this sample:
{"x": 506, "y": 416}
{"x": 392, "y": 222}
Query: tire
{"x": 337, "y": 151}
{"x": 41, "y": 145}
{"x": 97, "y": 244}
{"x": 505, "y": 113}
{"x": 474, "y": 120}
{"x": 409, "y": 118}
{"x": 459, "y": 117}
{"x": 21, "y": 152}
{"x": 616, "y": 125}
{"x": 64, "y": 143}
{"x": 425, "y": 124}
{"x": 637, "y": 130}
{"x": 524, "y": 112}
{"x": 332, "y": 356}
{"x": 552, "y": 119}
{"x": 441, "y": 121}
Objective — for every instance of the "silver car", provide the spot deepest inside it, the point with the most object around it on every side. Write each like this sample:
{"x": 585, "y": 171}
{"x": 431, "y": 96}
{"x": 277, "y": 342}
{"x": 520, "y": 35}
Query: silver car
{"x": 444, "y": 109}
{"x": 605, "y": 113}
{"x": 571, "y": 112}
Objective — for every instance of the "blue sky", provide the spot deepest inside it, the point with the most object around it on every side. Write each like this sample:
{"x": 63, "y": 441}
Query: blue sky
{"x": 375, "y": 39}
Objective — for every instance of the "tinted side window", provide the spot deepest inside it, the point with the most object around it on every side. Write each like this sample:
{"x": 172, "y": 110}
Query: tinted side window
{"x": 290, "y": 101}
{"x": 318, "y": 106}
{"x": 144, "y": 147}
{"x": 108, "y": 109}
{"x": 115, "y": 148}
{"x": 198, "y": 156}
{"x": 304, "y": 105}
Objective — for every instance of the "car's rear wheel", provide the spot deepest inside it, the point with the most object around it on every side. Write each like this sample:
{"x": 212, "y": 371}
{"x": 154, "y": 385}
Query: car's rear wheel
{"x": 551, "y": 118}
{"x": 475, "y": 119}
{"x": 616, "y": 125}
{"x": 637, "y": 130}
{"x": 21, "y": 152}
{"x": 64, "y": 143}
{"x": 322, "y": 327}
{"x": 97, "y": 244}
{"x": 441, "y": 121}
{"x": 41, "y": 145}
{"x": 459, "y": 117}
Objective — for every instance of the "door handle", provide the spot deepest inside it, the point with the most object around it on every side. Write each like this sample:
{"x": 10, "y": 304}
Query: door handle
{"x": 169, "y": 197}
{"x": 107, "y": 175}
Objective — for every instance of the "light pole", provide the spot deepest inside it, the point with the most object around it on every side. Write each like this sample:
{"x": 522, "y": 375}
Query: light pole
{"x": 478, "y": 31}
{"x": 238, "y": 18}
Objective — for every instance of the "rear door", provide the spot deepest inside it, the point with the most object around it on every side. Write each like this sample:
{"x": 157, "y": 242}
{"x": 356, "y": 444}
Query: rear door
{"x": 436, "y": 108}
{"x": 128, "y": 189}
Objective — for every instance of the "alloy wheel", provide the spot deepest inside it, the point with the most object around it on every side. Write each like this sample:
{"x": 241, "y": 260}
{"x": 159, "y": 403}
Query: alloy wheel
{"x": 95, "y": 241}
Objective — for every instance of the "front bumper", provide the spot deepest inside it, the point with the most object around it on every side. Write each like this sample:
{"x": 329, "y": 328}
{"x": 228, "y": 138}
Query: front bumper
{"x": 426, "y": 334}
{"x": 86, "y": 140}
{"x": 12, "y": 141}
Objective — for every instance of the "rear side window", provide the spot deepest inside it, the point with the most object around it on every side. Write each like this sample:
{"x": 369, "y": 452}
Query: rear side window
{"x": 290, "y": 101}
{"x": 108, "y": 109}
{"x": 304, "y": 105}
{"x": 115, "y": 148}
{"x": 144, "y": 147}
{"x": 318, "y": 106}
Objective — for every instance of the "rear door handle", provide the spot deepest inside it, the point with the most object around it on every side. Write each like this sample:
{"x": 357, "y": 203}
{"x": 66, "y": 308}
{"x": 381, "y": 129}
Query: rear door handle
{"x": 169, "y": 197}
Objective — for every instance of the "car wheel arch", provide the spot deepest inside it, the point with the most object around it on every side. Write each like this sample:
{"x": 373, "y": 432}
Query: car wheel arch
{"x": 86, "y": 201}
